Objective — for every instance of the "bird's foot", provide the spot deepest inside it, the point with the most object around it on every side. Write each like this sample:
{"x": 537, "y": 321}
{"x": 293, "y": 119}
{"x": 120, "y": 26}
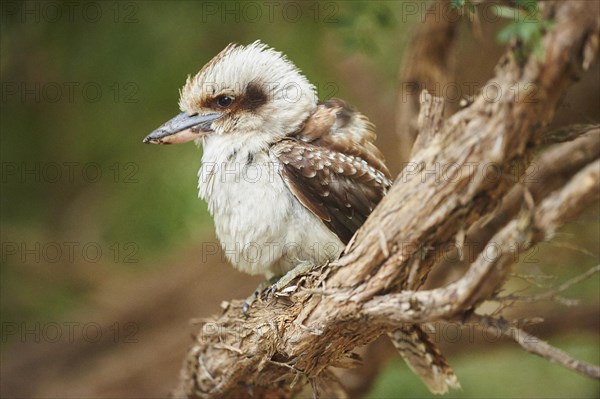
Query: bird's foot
{"x": 286, "y": 279}
{"x": 276, "y": 286}
{"x": 257, "y": 293}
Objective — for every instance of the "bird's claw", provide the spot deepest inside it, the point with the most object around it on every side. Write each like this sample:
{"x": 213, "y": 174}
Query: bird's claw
{"x": 251, "y": 299}
{"x": 267, "y": 292}
{"x": 262, "y": 292}
{"x": 275, "y": 286}
{"x": 245, "y": 308}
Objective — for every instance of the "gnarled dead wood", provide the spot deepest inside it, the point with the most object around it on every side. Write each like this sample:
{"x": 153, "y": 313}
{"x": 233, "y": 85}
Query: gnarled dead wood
{"x": 447, "y": 187}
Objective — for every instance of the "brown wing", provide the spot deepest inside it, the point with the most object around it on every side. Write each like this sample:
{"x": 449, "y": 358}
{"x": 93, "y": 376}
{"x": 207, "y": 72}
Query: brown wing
{"x": 333, "y": 168}
{"x": 339, "y": 127}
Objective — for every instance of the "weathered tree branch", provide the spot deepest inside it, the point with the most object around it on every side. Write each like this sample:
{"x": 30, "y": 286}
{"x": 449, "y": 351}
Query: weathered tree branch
{"x": 550, "y": 170}
{"x": 446, "y": 189}
{"x": 488, "y": 272}
{"x": 429, "y": 121}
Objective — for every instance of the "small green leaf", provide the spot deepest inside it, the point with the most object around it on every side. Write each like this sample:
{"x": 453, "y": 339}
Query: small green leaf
{"x": 457, "y": 3}
{"x": 506, "y": 12}
{"x": 507, "y": 33}
{"x": 529, "y": 5}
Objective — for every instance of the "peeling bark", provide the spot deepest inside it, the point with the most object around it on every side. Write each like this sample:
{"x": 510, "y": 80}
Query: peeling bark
{"x": 444, "y": 191}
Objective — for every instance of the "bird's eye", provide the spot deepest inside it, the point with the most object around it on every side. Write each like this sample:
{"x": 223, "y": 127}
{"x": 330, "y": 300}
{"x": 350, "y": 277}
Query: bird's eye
{"x": 224, "y": 101}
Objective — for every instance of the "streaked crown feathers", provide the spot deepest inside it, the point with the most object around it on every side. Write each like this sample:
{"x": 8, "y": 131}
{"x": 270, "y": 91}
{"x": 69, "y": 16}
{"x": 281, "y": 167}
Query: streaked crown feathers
{"x": 236, "y": 67}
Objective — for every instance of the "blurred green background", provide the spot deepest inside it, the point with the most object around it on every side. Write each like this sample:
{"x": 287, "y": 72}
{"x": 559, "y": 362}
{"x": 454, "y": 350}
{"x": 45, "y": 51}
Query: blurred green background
{"x": 100, "y": 229}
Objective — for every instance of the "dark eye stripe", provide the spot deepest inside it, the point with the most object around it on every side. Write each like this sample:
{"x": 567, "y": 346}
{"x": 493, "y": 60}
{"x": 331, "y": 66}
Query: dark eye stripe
{"x": 254, "y": 97}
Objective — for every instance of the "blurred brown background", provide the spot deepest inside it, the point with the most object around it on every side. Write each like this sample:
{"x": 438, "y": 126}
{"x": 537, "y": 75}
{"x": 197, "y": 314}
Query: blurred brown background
{"x": 108, "y": 255}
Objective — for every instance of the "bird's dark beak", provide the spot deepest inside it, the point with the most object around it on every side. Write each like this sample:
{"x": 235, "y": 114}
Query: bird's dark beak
{"x": 182, "y": 128}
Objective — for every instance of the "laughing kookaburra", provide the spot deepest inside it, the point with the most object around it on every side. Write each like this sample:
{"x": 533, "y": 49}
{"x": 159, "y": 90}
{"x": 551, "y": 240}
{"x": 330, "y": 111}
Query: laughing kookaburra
{"x": 288, "y": 180}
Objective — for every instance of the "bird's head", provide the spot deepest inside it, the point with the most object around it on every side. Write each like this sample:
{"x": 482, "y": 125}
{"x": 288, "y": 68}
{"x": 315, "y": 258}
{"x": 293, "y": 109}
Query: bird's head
{"x": 244, "y": 90}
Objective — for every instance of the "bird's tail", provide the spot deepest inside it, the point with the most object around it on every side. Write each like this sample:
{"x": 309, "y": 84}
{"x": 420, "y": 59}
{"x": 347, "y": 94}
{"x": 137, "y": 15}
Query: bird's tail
{"x": 424, "y": 358}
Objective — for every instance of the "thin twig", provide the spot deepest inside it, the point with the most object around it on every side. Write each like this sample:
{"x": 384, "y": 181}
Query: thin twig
{"x": 537, "y": 346}
{"x": 553, "y": 293}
